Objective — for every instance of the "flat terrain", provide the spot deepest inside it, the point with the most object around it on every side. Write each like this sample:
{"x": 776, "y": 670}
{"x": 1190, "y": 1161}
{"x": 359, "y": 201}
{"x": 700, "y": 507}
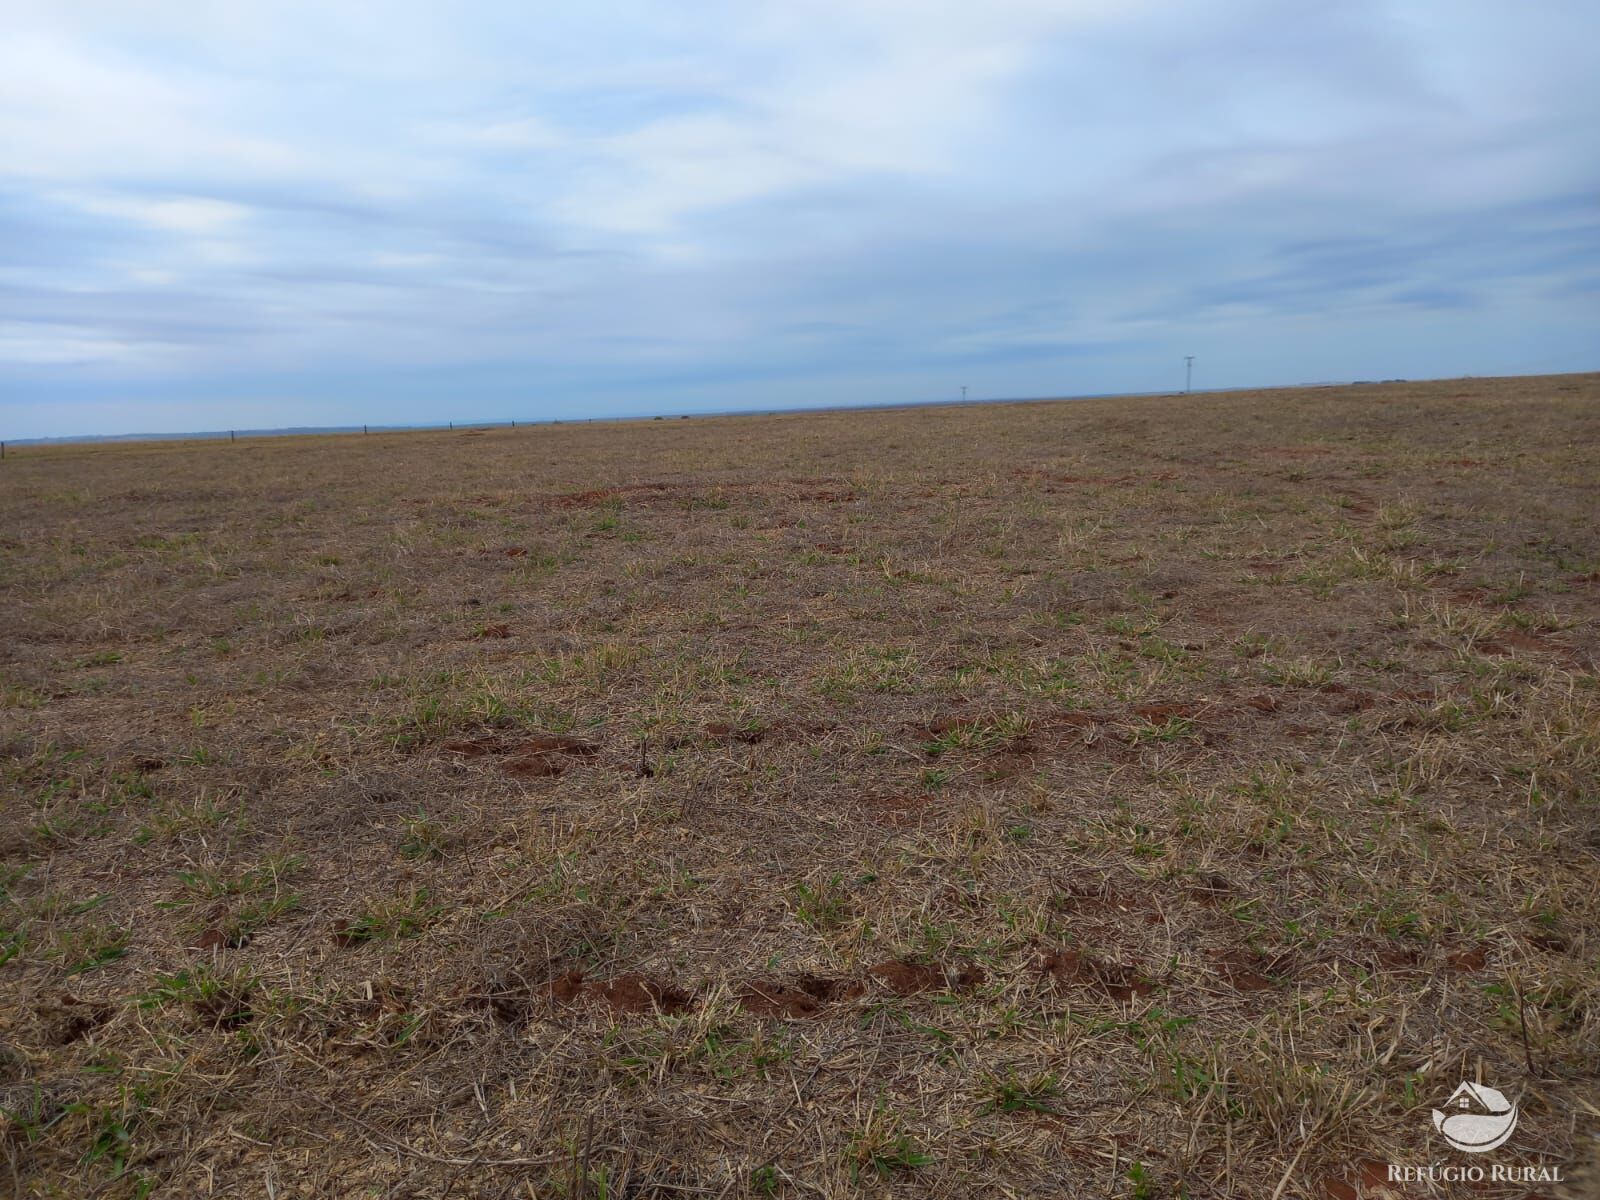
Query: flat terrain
{"x": 1157, "y": 797}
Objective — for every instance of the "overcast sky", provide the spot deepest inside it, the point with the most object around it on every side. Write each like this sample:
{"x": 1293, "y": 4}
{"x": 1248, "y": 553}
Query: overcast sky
{"x": 257, "y": 215}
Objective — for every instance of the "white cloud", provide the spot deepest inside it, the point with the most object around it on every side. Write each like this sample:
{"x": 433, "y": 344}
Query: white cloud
{"x": 71, "y": 112}
{"x": 512, "y": 133}
{"x": 196, "y": 215}
{"x": 50, "y": 345}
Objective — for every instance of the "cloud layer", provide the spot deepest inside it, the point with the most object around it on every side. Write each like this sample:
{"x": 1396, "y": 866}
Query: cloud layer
{"x": 298, "y": 213}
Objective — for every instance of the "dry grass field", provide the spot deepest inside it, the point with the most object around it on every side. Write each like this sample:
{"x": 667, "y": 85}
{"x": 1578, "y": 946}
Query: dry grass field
{"x": 1145, "y": 798}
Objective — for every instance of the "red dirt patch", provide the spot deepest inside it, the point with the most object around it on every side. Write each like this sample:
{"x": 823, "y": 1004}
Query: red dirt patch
{"x": 1371, "y": 1181}
{"x": 1212, "y": 888}
{"x": 475, "y": 747}
{"x": 533, "y": 766}
{"x": 805, "y": 996}
{"x": 1470, "y": 958}
{"x": 943, "y": 726}
{"x": 826, "y": 497}
{"x": 1063, "y": 966}
{"x": 723, "y": 732}
{"x": 548, "y": 754}
{"x": 594, "y": 496}
{"x": 1069, "y": 968}
{"x": 908, "y": 978}
{"x": 1156, "y": 713}
{"x": 1512, "y": 640}
{"x": 1395, "y": 958}
{"x": 530, "y": 758}
{"x": 1122, "y": 983}
{"x": 623, "y": 994}
{"x": 1247, "y": 971}
{"x": 558, "y": 743}
{"x": 1350, "y": 700}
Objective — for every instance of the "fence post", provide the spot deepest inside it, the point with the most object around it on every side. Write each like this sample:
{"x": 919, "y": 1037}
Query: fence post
{"x": 363, "y": 431}
{"x": 230, "y": 436}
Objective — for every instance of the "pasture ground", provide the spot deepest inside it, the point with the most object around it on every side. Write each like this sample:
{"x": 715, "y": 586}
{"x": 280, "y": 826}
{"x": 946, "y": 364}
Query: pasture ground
{"x": 1147, "y": 798}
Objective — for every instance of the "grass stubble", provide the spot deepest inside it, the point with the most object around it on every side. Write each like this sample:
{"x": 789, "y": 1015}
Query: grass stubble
{"x": 1157, "y": 797}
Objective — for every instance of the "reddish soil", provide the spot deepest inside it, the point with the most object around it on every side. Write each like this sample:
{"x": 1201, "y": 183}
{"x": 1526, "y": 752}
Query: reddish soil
{"x": 595, "y": 496}
{"x": 1371, "y": 1181}
{"x": 723, "y": 732}
{"x": 805, "y": 996}
{"x": 1069, "y": 968}
{"x": 1212, "y": 888}
{"x": 908, "y": 978}
{"x": 559, "y": 743}
{"x": 1511, "y": 640}
{"x": 1471, "y": 958}
{"x": 1247, "y": 971}
{"x": 533, "y": 766}
{"x": 475, "y": 747}
{"x": 529, "y": 758}
{"x": 1396, "y": 958}
{"x": 1158, "y": 713}
{"x": 624, "y": 994}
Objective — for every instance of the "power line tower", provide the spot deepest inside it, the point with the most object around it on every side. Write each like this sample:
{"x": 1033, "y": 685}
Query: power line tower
{"x": 1188, "y": 373}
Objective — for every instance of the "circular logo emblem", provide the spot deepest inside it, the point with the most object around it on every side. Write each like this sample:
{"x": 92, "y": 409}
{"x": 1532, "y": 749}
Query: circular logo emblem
{"x": 1476, "y": 1118}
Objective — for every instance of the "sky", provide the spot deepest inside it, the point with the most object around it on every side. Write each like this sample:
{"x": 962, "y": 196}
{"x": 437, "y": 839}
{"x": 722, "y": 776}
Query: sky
{"x": 262, "y": 215}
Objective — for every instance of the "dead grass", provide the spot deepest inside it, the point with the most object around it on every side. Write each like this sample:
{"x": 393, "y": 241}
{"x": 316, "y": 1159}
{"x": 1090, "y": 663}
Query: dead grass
{"x": 1146, "y": 798}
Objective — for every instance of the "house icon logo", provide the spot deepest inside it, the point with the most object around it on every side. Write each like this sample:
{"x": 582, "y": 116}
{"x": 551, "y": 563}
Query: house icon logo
{"x": 1476, "y": 1118}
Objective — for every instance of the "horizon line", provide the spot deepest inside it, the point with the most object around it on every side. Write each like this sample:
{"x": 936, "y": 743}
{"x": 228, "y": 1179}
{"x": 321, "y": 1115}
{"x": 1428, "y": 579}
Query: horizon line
{"x": 513, "y": 422}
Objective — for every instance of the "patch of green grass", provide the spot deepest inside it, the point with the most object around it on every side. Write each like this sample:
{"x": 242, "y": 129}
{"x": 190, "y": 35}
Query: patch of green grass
{"x": 403, "y": 917}
{"x": 91, "y": 948}
{"x": 883, "y": 1148}
{"x": 208, "y": 884}
{"x": 824, "y": 905}
{"x": 221, "y": 996}
{"x": 1170, "y": 730}
{"x": 424, "y": 837}
{"x": 1012, "y": 1094}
